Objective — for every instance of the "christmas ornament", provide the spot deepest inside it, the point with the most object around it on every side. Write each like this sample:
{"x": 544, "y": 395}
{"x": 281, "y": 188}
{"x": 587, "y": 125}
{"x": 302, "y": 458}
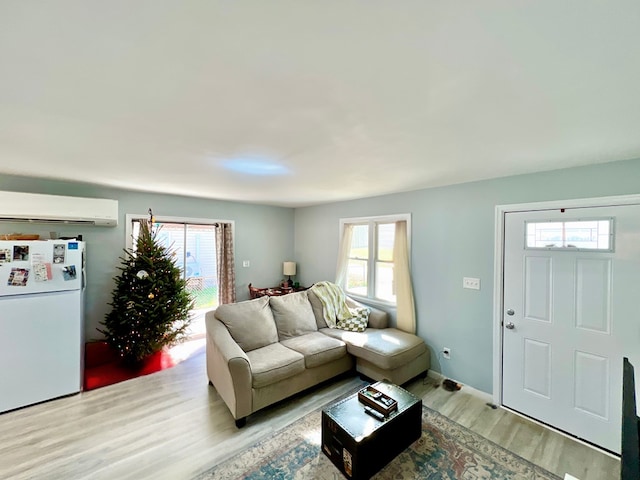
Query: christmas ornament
{"x": 151, "y": 295}
{"x": 142, "y": 274}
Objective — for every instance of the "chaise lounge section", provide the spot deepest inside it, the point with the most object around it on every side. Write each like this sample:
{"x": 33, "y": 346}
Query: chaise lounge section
{"x": 264, "y": 350}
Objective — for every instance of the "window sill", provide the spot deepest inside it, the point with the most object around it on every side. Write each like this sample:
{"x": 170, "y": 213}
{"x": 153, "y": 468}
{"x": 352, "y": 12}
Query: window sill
{"x": 374, "y": 302}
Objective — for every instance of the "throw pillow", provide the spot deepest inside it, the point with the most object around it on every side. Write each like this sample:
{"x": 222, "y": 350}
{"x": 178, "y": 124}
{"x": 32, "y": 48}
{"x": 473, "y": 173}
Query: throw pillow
{"x": 318, "y": 309}
{"x": 357, "y": 323}
{"x": 293, "y": 315}
{"x": 250, "y": 323}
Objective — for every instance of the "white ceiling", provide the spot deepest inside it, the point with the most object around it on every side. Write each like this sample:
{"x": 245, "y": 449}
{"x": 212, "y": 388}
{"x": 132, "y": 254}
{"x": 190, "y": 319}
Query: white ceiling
{"x": 324, "y": 100}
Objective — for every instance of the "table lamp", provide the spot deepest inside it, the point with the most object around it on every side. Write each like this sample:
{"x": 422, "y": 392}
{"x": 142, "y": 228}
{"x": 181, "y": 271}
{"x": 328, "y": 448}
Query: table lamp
{"x": 289, "y": 268}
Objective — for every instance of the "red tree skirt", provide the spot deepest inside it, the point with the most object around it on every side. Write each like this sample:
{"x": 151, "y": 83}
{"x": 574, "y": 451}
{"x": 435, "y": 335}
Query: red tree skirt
{"x": 103, "y": 366}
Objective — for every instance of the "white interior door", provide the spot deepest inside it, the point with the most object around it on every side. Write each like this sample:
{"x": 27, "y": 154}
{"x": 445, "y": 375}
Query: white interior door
{"x": 570, "y": 314}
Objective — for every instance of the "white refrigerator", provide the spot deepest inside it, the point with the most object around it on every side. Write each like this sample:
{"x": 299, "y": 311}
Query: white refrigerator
{"x": 41, "y": 320}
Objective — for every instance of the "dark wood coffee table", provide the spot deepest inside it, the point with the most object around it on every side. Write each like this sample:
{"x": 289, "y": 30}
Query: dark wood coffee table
{"x": 360, "y": 444}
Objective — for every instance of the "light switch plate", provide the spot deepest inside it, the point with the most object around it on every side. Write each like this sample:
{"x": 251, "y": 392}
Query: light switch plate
{"x": 246, "y": 263}
{"x": 472, "y": 283}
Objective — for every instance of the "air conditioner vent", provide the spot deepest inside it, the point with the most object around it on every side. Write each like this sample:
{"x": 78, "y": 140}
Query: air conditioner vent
{"x": 44, "y": 220}
{"x": 18, "y": 207}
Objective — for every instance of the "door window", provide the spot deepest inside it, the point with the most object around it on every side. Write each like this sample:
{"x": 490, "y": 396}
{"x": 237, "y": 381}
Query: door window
{"x": 592, "y": 235}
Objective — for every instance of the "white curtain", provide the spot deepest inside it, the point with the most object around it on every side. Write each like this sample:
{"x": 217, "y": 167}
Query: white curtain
{"x": 405, "y": 306}
{"x": 343, "y": 256}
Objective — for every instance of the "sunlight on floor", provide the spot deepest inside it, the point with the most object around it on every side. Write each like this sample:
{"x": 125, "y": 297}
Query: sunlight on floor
{"x": 185, "y": 350}
{"x": 313, "y": 437}
{"x": 197, "y": 338}
{"x": 197, "y": 327}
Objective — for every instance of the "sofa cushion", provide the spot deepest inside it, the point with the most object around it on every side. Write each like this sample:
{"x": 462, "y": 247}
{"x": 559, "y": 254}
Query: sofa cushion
{"x": 273, "y": 363}
{"x": 318, "y": 309}
{"x": 345, "y": 336}
{"x": 250, "y": 323}
{"x": 317, "y": 348}
{"x": 293, "y": 315}
{"x": 386, "y": 348}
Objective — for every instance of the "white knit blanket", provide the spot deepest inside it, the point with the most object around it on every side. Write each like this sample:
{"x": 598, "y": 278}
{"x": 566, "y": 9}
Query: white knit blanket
{"x": 334, "y": 302}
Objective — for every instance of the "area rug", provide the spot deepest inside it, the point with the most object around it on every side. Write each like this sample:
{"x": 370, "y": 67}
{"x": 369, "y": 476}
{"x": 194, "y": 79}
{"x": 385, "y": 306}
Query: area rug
{"x": 446, "y": 450}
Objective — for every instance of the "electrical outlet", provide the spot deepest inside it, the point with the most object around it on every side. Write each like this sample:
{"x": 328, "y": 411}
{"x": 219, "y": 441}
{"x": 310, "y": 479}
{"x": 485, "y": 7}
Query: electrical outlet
{"x": 246, "y": 263}
{"x": 446, "y": 353}
{"x": 472, "y": 283}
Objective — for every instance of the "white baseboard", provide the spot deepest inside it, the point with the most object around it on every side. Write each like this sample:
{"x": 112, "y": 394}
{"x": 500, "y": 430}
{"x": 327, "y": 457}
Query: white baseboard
{"x": 485, "y": 397}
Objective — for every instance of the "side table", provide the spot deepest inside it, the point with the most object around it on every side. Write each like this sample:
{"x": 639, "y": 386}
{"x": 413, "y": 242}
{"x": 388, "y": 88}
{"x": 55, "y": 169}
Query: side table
{"x": 255, "y": 292}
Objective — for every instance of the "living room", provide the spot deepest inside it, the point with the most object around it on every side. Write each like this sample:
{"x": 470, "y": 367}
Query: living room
{"x": 453, "y": 224}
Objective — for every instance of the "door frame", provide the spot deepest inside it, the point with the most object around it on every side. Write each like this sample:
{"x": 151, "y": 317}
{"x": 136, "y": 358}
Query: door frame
{"x": 129, "y": 217}
{"x": 498, "y": 257}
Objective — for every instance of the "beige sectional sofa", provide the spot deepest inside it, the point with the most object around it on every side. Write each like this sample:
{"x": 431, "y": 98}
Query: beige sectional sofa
{"x": 264, "y": 350}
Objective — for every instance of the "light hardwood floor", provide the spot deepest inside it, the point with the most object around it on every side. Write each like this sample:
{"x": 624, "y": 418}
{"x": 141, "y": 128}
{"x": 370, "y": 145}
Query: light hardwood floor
{"x": 173, "y": 425}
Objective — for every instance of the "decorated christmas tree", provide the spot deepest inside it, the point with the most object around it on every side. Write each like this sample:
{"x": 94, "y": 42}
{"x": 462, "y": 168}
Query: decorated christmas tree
{"x": 150, "y": 302}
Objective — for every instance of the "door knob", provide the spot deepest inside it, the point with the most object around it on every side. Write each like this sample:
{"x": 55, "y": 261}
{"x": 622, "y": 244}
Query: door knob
{"x": 510, "y": 326}
{"x": 510, "y": 312}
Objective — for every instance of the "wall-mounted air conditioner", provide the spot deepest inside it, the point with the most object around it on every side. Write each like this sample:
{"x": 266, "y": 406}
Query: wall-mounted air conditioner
{"x": 37, "y": 208}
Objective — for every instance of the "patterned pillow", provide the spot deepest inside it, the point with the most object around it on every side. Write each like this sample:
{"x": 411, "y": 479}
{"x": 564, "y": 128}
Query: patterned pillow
{"x": 358, "y": 322}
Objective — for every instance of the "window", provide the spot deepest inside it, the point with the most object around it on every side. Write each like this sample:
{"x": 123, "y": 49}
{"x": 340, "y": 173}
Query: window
{"x": 571, "y": 235}
{"x": 369, "y": 269}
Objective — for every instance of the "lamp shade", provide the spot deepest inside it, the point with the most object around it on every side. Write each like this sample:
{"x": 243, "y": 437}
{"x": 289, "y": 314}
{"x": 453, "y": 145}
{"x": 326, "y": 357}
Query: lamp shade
{"x": 289, "y": 268}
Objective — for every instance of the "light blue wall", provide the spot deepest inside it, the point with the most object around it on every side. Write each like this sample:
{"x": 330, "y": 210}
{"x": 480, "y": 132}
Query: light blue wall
{"x": 264, "y": 236}
{"x": 453, "y": 237}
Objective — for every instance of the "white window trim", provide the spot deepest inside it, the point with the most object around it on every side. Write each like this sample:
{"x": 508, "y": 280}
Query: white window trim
{"x": 379, "y": 219}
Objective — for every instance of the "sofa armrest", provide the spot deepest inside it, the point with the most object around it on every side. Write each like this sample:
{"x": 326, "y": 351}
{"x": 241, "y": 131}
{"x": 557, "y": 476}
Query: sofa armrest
{"x": 228, "y": 368}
